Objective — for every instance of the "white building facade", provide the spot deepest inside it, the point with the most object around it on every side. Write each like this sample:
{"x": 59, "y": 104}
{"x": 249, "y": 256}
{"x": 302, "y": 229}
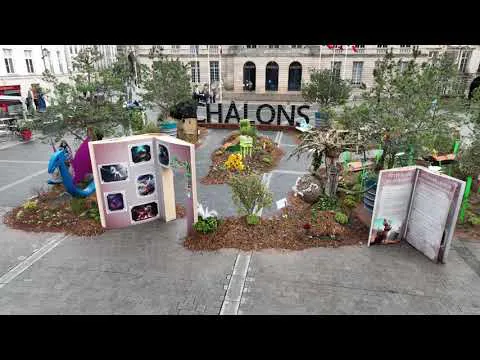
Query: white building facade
{"x": 23, "y": 65}
{"x": 276, "y": 72}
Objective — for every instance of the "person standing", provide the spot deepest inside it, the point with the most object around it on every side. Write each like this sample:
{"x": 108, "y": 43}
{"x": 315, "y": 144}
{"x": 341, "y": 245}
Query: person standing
{"x": 214, "y": 95}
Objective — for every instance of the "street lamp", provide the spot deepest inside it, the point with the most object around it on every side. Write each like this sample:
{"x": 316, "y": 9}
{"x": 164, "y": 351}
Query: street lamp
{"x": 45, "y": 53}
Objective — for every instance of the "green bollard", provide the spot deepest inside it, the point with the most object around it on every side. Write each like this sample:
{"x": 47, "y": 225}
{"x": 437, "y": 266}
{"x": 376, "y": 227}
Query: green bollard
{"x": 456, "y": 148}
{"x": 466, "y": 195}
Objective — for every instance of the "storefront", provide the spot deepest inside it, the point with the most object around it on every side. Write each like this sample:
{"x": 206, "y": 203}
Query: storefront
{"x": 9, "y": 90}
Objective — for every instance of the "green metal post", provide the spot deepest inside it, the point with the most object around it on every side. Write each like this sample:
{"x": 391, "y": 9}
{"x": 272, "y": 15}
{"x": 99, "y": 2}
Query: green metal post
{"x": 466, "y": 195}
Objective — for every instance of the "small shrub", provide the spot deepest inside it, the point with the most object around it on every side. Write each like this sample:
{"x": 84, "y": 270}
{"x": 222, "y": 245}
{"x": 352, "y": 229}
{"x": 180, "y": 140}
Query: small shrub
{"x": 207, "y": 225}
{"x": 249, "y": 194}
{"x": 244, "y": 126}
{"x": 341, "y": 218}
{"x": 326, "y": 203}
{"x": 148, "y": 129}
{"x": 473, "y": 219}
{"x": 349, "y": 201}
{"x": 234, "y": 162}
{"x": 30, "y": 205}
{"x": 78, "y": 205}
{"x": 19, "y": 215}
{"x": 253, "y": 219}
{"x": 94, "y": 214}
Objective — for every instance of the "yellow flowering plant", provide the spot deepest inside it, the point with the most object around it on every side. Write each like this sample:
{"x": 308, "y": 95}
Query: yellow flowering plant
{"x": 234, "y": 162}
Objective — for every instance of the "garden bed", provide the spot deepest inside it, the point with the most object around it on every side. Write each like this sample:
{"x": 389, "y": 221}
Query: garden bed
{"x": 265, "y": 156}
{"x": 53, "y": 212}
{"x": 470, "y": 229}
{"x": 285, "y": 230}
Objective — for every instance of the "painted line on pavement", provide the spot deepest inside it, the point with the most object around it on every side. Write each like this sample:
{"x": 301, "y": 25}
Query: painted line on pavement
{"x": 289, "y": 172}
{"x": 279, "y": 140}
{"x": 32, "y": 259}
{"x": 236, "y": 285}
{"x": 26, "y": 178}
{"x": 19, "y": 143}
{"x": 232, "y": 299}
{"x": 24, "y": 161}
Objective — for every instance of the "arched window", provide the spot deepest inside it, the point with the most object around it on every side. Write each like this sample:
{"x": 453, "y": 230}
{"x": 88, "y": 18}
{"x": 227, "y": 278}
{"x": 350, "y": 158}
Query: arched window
{"x": 249, "y": 75}
{"x": 271, "y": 76}
{"x": 473, "y": 86}
{"x": 295, "y": 76}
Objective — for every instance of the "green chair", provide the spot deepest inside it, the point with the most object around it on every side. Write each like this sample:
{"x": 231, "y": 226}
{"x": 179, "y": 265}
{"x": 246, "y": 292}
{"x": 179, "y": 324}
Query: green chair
{"x": 246, "y": 145}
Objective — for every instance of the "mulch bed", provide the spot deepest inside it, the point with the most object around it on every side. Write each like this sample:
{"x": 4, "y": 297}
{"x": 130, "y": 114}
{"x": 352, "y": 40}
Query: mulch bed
{"x": 54, "y": 214}
{"x": 218, "y": 174}
{"x": 467, "y": 231}
{"x": 282, "y": 232}
{"x": 180, "y": 211}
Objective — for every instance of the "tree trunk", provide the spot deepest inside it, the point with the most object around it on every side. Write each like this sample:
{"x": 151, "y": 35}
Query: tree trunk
{"x": 332, "y": 176}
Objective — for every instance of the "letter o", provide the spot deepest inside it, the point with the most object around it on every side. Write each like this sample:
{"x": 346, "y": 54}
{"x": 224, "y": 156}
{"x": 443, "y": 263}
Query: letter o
{"x": 259, "y": 111}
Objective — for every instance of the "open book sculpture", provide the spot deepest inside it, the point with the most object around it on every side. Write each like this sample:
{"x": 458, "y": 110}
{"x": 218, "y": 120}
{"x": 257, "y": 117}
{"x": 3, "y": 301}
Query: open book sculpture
{"x": 419, "y": 206}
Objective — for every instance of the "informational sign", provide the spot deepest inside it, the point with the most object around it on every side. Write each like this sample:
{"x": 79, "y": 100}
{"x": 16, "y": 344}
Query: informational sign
{"x": 419, "y": 206}
{"x": 134, "y": 179}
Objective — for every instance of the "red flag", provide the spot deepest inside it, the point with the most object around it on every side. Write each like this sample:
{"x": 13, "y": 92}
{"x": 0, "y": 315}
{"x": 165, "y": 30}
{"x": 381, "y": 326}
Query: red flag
{"x": 331, "y": 47}
{"x": 354, "y": 48}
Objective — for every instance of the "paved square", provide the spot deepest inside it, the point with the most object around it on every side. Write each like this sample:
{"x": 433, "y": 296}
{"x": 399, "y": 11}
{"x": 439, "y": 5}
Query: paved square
{"x": 146, "y": 270}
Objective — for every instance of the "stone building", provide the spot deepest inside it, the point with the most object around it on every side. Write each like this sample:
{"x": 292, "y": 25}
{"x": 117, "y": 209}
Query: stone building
{"x": 276, "y": 72}
{"x": 22, "y": 66}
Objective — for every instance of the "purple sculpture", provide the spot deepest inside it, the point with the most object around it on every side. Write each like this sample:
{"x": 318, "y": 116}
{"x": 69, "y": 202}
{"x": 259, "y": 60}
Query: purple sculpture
{"x": 81, "y": 162}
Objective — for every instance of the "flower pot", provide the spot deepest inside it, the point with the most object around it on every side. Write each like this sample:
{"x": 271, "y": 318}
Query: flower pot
{"x": 26, "y": 135}
{"x": 169, "y": 128}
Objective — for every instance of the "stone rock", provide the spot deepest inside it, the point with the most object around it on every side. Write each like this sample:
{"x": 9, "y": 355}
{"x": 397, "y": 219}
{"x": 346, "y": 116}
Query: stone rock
{"x": 309, "y": 188}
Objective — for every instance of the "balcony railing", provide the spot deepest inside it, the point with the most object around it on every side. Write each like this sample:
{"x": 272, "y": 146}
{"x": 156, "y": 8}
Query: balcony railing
{"x": 381, "y": 51}
{"x": 405, "y": 50}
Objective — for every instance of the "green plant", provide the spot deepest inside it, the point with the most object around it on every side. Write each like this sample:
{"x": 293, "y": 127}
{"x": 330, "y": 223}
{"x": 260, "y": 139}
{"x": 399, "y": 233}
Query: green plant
{"x": 253, "y": 219}
{"x": 19, "y": 215}
{"x": 472, "y": 218}
{"x": 149, "y": 128}
{"x": 30, "y": 205}
{"x": 235, "y": 163}
{"x": 136, "y": 119}
{"x": 92, "y": 97}
{"x": 326, "y": 203}
{"x": 94, "y": 213}
{"x": 325, "y": 88}
{"x": 341, "y": 218}
{"x": 350, "y": 201}
{"x": 249, "y": 194}
{"x": 166, "y": 84}
{"x": 78, "y": 206}
{"x": 403, "y": 110}
{"x": 207, "y": 225}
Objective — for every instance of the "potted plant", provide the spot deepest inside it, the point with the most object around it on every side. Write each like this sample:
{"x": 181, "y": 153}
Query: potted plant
{"x": 25, "y": 133}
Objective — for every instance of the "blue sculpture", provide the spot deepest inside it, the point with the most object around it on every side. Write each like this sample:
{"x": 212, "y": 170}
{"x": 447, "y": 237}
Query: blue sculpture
{"x": 58, "y": 161}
